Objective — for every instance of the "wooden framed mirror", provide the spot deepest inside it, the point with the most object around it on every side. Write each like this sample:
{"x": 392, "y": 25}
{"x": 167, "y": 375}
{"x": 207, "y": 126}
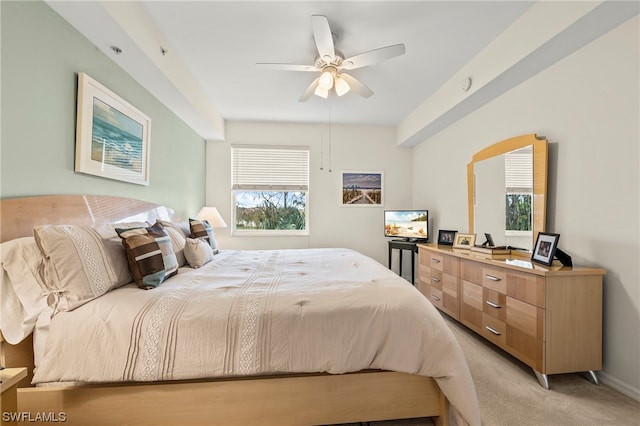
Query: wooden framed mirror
{"x": 507, "y": 191}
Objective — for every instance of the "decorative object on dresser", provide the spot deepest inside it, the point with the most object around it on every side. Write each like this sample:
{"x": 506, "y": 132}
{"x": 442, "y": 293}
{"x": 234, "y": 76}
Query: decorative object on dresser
{"x": 549, "y": 317}
{"x": 545, "y": 249}
{"x": 488, "y": 240}
{"x": 112, "y": 136}
{"x": 501, "y": 252}
{"x": 445, "y": 237}
{"x": 464, "y": 241}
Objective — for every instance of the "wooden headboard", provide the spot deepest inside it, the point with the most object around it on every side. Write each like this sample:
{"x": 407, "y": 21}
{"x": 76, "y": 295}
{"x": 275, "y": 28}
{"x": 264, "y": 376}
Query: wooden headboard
{"x": 18, "y": 216}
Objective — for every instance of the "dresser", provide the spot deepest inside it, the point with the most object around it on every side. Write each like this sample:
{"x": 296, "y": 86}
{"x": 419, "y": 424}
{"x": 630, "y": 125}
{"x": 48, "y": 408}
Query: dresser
{"x": 550, "y": 318}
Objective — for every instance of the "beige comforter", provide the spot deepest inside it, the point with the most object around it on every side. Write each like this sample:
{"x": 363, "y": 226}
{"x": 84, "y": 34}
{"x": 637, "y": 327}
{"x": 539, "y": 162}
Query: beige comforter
{"x": 257, "y": 312}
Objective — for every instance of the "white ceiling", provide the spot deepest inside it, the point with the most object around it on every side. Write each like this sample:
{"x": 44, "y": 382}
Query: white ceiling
{"x": 221, "y": 43}
{"x": 209, "y": 71}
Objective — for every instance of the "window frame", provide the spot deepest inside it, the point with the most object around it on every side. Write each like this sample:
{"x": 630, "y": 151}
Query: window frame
{"x": 256, "y": 187}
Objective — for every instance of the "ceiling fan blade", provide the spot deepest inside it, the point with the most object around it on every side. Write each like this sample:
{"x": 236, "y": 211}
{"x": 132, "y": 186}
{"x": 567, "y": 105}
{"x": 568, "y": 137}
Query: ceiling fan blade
{"x": 309, "y": 92}
{"x": 323, "y": 37}
{"x": 289, "y": 67}
{"x": 356, "y": 86}
{"x": 373, "y": 56}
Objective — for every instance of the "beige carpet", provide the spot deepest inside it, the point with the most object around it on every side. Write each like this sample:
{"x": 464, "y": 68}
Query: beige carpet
{"x": 509, "y": 393}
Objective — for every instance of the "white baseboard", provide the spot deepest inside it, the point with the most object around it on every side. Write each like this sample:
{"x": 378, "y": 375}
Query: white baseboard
{"x": 619, "y": 386}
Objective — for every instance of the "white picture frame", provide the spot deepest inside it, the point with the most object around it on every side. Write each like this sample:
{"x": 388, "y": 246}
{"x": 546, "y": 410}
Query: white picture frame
{"x": 112, "y": 136}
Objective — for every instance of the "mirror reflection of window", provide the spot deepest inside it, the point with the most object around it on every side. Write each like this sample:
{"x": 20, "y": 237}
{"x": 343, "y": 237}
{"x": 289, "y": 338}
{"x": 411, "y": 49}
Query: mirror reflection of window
{"x": 518, "y": 167}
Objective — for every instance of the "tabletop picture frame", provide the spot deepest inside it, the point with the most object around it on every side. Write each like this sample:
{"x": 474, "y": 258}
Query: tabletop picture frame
{"x": 112, "y": 136}
{"x": 545, "y": 248}
{"x": 446, "y": 237}
{"x": 464, "y": 241}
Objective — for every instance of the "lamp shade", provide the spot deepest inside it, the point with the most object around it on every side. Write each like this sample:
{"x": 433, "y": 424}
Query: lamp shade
{"x": 211, "y": 215}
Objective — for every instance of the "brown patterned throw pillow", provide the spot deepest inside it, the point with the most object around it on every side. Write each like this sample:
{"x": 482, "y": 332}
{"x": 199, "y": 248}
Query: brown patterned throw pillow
{"x": 202, "y": 229}
{"x": 150, "y": 255}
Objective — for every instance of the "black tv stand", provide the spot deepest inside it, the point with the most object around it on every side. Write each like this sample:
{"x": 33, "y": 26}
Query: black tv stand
{"x": 410, "y": 244}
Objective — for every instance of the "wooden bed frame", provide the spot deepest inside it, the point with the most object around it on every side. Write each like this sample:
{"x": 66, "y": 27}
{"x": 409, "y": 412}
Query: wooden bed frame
{"x": 283, "y": 399}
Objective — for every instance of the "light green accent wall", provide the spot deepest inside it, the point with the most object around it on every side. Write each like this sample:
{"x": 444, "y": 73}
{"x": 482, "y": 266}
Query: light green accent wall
{"x": 41, "y": 56}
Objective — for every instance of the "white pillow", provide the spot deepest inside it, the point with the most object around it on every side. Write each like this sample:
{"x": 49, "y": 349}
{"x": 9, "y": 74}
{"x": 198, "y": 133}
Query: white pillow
{"x": 197, "y": 252}
{"x": 23, "y": 295}
{"x": 82, "y": 262}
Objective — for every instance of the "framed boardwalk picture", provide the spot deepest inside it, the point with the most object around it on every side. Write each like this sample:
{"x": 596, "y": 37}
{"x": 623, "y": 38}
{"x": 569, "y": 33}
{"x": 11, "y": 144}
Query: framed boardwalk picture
{"x": 362, "y": 189}
{"x": 112, "y": 136}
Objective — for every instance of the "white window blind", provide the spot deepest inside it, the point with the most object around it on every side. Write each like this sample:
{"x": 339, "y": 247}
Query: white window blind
{"x": 269, "y": 168}
{"x": 518, "y": 167}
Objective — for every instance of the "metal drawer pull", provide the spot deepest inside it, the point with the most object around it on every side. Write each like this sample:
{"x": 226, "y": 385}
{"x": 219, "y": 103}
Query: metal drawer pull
{"x": 497, "y": 333}
{"x": 435, "y": 279}
{"x": 493, "y": 305}
{"x": 436, "y": 298}
{"x": 436, "y": 260}
{"x": 492, "y": 278}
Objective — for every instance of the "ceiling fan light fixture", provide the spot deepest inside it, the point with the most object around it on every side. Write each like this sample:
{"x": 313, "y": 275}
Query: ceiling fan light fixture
{"x": 326, "y": 80}
{"x": 331, "y": 61}
{"x": 342, "y": 86}
{"x": 322, "y": 92}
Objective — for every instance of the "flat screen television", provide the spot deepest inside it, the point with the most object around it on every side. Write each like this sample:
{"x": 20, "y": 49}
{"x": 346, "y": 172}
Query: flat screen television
{"x": 410, "y": 225}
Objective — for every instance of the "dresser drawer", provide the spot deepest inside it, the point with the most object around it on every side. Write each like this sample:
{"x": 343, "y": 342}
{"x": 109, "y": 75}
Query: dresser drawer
{"x": 527, "y": 288}
{"x": 494, "y": 330}
{"x": 495, "y": 279}
{"x": 424, "y": 273}
{"x": 437, "y": 261}
{"x": 450, "y": 299}
{"x": 471, "y": 306}
{"x": 435, "y": 297}
{"x": 495, "y": 304}
{"x": 424, "y": 288}
{"x": 471, "y": 271}
{"x": 526, "y": 318}
{"x": 436, "y": 279}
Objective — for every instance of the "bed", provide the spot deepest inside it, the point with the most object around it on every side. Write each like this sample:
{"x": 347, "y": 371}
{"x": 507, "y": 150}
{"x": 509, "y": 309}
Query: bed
{"x": 313, "y": 336}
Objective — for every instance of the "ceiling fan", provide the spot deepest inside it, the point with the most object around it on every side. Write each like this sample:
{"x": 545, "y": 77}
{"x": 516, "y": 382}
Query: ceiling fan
{"x": 331, "y": 64}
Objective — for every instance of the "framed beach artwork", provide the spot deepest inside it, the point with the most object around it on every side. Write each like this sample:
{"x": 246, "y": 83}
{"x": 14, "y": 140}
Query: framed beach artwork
{"x": 112, "y": 136}
{"x": 362, "y": 189}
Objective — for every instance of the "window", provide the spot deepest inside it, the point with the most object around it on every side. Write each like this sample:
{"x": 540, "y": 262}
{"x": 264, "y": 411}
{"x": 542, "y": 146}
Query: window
{"x": 270, "y": 187}
{"x": 519, "y": 191}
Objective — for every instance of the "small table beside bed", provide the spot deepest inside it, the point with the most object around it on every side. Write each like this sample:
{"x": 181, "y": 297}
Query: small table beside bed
{"x": 311, "y": 336}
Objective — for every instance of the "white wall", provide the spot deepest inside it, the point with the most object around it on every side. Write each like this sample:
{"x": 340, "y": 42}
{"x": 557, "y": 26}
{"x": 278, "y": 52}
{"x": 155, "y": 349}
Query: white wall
{"x": 351, "y": 148}
{"x": 588, "y": 107}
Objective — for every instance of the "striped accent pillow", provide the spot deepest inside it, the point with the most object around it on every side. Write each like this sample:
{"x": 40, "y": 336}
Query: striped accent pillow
{"x": 150, "y": 254}
{"x": 202, "y": 229}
